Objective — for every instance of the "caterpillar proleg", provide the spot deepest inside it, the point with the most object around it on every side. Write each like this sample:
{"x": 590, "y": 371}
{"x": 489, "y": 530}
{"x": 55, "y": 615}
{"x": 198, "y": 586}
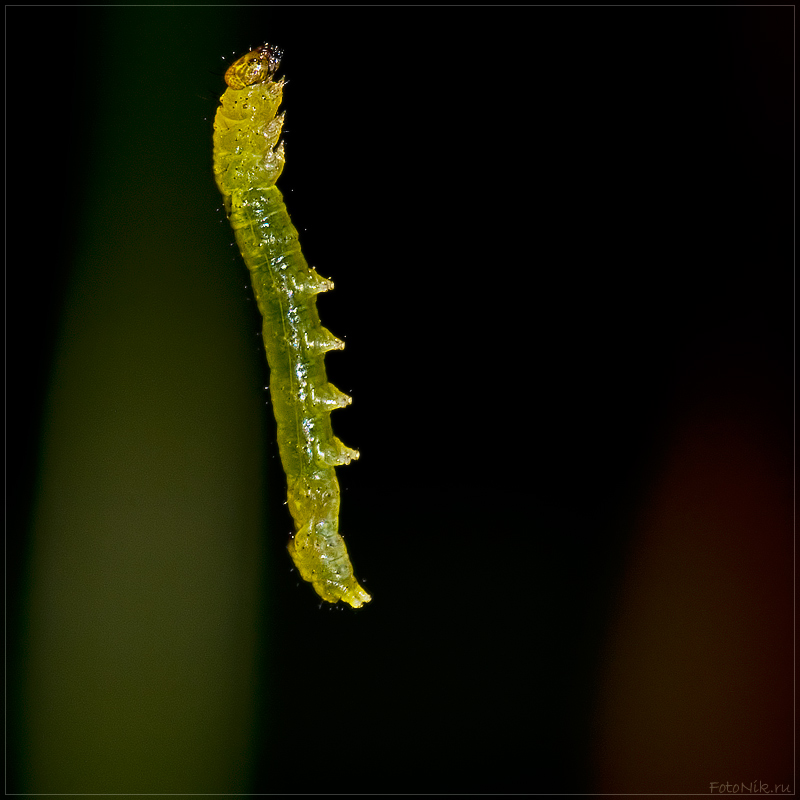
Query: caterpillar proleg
{"x": 248, "y": 159}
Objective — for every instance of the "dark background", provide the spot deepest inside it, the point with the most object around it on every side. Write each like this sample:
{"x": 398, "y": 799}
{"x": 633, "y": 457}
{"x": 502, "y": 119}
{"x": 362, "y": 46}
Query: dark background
{"x": 547, "y": 228}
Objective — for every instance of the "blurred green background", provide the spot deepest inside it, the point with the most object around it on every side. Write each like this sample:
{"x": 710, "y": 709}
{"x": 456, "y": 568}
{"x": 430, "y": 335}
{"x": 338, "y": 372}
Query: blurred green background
{"x": 562, "y": 247}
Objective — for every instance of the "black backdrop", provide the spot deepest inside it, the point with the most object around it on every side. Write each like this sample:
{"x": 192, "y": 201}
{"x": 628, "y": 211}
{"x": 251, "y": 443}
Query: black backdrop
{"x": 543, "y": 224}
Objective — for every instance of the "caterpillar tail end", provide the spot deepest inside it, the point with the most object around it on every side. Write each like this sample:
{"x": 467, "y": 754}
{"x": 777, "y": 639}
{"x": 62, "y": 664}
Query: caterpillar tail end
{"x": 349, "y": 592}
{"x": 331, "y": 585}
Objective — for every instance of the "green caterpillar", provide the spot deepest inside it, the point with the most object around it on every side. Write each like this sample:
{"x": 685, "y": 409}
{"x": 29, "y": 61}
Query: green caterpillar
{"x": 247, "y": 162}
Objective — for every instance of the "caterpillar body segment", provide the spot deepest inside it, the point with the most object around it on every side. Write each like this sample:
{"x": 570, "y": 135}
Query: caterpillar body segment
{"x": 248, "y": 159}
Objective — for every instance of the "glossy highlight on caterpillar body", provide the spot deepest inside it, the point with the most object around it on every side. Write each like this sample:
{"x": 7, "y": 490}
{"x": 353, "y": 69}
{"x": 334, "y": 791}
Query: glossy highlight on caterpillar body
{"x": 248, "y": 159}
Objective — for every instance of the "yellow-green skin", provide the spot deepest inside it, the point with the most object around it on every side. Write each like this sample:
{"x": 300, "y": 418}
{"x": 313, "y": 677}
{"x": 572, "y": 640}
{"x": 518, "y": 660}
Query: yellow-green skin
{"x": 247, "y": 163}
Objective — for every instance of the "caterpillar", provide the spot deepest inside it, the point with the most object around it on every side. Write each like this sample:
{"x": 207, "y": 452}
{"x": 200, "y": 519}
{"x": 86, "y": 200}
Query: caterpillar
{"x": 248, "y": 159}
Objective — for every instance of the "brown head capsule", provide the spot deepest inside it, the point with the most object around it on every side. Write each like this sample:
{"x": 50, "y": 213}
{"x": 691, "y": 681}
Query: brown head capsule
{"x": 258, "y": 66}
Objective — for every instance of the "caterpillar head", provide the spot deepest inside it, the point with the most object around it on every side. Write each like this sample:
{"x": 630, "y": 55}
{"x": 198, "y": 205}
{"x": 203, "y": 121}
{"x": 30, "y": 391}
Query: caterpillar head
{"x": 258, "y": 66}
